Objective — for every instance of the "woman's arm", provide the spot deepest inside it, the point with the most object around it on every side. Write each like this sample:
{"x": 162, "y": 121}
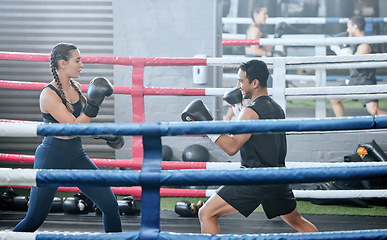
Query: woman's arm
{"x": 52, "y": 104}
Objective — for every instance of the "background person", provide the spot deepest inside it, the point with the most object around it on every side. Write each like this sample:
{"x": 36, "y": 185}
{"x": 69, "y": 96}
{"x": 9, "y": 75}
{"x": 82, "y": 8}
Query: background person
{"x": 359, "y": 76}
{"x": 254, "y": 31}
{"x": 61, "y": 102}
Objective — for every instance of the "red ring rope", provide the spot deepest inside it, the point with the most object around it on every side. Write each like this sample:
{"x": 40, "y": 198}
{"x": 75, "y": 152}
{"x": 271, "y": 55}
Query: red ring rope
{"x": 17, "y": 121}
{"x": 22, "y": 85}
{"x": 117, "y": 89}
{"x": 102, "y": 162}
{"x": 136, "y": 191}
{"x": 235, "y": 42}
{"x": 127, "y": 61}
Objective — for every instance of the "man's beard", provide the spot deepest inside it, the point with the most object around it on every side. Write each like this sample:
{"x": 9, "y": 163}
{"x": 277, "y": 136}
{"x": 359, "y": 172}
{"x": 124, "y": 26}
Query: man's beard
{"x": 247, "y": 95}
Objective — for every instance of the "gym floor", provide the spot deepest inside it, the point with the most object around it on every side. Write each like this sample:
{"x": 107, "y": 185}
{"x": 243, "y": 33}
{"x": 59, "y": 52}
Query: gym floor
{"x": 257, "y": 223}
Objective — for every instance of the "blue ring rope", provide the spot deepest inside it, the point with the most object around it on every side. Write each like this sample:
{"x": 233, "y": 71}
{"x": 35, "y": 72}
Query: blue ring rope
{"x": 250, "y": 176}
{"x": 344, "y": 235}
{"x": 91, "y": 178}
{"x": 193, "y": 128}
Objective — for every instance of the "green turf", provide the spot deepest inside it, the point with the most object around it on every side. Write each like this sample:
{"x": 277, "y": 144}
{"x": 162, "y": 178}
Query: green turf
{"x": 347, "y": 103}
{"x": 168, "y": 203}
{"x": 308, "y": 207}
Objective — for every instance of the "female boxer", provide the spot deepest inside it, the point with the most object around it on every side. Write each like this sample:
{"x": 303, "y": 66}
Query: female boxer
{"x": 255, "y": 31}
{"x": 61, "y": 102}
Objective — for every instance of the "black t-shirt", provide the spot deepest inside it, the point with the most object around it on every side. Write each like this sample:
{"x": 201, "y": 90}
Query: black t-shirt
{"x": 265, "y": 149}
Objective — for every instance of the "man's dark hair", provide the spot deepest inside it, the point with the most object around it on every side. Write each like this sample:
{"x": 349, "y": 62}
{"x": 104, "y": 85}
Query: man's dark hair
{"x": 256, "y": 69}
{"x": 359, "y": 21}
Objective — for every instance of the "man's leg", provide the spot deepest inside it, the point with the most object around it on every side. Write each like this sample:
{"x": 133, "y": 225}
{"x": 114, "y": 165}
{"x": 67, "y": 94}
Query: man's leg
{"x": 212, "y": 210}
{"x": 337, "y": 107}
{"x": 296, "y": 221}
{"x": 373, "y": 109}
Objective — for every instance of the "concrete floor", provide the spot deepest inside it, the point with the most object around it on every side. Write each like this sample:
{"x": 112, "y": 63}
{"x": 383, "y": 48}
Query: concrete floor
{"x": 256, "y": 223}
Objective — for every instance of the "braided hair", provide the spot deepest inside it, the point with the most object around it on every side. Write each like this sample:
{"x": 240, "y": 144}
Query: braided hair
{"x": 61, "y": 51}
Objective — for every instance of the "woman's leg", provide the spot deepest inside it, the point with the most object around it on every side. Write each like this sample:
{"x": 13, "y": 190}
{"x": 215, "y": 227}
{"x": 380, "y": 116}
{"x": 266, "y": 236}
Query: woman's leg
{"x": 103, "y": 197}
{"x": 105, "y": 200}
{"x": 40, "y": 200}
{"x": 38, "y": 209}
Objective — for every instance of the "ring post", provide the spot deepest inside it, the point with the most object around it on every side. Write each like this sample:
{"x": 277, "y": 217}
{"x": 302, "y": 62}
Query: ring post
{"x": 138, "y": 106}
{"x": 279, "y": 84}
{"x": 150, "y": 182}
{"x": 321, "y": 76}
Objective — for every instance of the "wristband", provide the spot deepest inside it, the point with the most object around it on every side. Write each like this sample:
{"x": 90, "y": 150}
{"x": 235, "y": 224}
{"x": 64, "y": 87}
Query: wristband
{"x": 90, "y": 110}
{"x": 214, "y": 137}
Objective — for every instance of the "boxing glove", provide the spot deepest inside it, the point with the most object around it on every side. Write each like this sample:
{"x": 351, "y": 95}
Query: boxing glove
{"x": 115, "y": 142}
{"x": 126, "y": 206}
{"x": 74, "y": 205}
{"x": 6, "y": 199}
{"x": 187, "y": 209}
{"x": 78, "y": 204}
{"x": 342, "y": 34}
{"x": 56, "y": 206}
{"x": 89, "y": 205}
{"x": 280, "y": 29}
{"x": 197, "y": 111}
{"x": 20, "y": 203}
{"x": 233, "y": 97}
{"x": 341, "y": 50}
{"x": 98, "y": 89}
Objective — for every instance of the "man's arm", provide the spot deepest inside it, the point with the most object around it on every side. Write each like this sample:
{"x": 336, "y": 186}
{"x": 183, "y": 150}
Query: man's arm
{"x": 231, "y": 144}
{"x": 363, "y": 49}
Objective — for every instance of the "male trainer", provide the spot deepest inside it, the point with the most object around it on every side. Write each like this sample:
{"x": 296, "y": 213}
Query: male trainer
{"x": 257, "y": 150}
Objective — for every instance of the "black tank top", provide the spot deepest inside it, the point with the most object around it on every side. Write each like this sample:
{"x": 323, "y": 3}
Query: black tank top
{"x": 48, "y": 118}
{"x": 264, "y": 35}
{"x": 265, "y": 149}
{"x": 362, "y": 76}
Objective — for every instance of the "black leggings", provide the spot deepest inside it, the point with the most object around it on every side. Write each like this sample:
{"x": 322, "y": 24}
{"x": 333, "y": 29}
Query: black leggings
{"x": 55, "y": 153}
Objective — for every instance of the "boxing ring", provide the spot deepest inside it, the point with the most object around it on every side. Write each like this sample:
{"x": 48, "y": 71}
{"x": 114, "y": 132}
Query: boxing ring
{"x": 148, "y": 155}
{"x": 151, "y": 177}
{"x": 295, "y": 21}
{"x": 301, "y": 20}
{"x": 302, "y": 39}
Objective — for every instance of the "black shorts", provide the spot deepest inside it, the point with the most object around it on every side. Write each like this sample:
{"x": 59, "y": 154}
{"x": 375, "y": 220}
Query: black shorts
{"x": 276, "y": 200}
{"x": 348, "y": 82}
